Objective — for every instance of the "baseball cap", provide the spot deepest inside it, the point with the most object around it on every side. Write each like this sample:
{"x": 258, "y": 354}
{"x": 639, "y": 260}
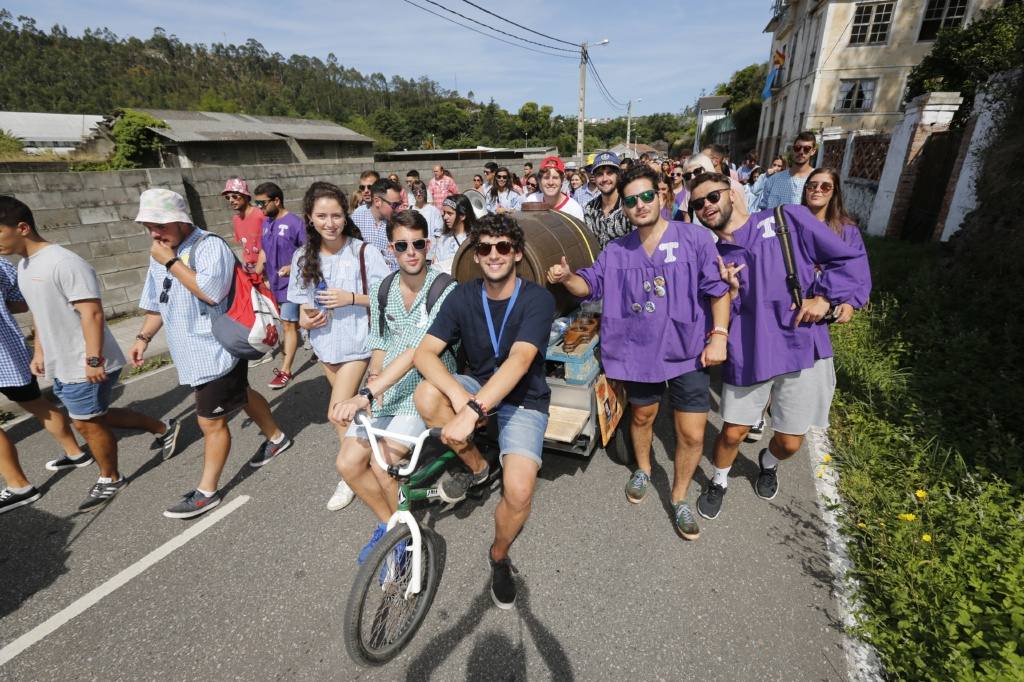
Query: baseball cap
{"x": 571, "y": 165}
{"x": 606, "y": 159}
{"x": 552, "y": 162}
{"x": 236, "y": 185}
{"x": 162, "y": 206}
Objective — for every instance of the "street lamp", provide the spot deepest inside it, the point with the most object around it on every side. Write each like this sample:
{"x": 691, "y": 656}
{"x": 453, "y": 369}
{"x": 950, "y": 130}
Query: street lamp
{"x": 583, "y": 98}
{"x": 629, "y": 120}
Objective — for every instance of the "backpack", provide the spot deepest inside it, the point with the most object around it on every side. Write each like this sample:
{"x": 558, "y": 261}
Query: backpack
{"x": 248, "y": 328}
{"x": 437, "y": 287}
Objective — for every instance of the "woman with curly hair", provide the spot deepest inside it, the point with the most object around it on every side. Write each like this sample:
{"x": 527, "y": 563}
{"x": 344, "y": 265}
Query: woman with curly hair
{"x": 332, "y": 275}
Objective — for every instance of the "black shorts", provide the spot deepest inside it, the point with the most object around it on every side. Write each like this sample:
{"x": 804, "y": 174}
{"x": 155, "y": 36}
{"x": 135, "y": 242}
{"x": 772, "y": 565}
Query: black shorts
{"x": 22, "y": 394}
{"x": 690, "y": 392}
{"x": 223, "y": 395}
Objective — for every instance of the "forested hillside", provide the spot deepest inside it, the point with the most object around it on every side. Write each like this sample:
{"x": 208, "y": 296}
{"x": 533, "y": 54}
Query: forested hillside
{"x": 98, "y": 72}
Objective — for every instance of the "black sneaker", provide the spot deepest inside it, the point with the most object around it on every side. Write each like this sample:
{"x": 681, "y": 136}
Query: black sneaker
{"x": 193, "y": 504}
{"x": 767, "y": 485}
{"x": 168, "y": 440}
{"x": 11, "y": 500}
{"x": 503, "y": 585}
{"x": 269, "y": 451}
{"x": 453, "y": 487}
{"x": 65, "y": 462}
{"x": 755, "y": 432}
{"x": 709, "y": 504}
{"x": 101, "y": 493}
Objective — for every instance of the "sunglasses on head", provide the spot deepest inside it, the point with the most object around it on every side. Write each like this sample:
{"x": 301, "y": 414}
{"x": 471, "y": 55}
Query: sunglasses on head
{"x": 712, "y": 198}
{"x": 484, "y": 249}
{"x": 166, "y": 293}
{"x": 403, "y": 246}
{"x": 823, "y": 186}
{"x": 646, "y": 197}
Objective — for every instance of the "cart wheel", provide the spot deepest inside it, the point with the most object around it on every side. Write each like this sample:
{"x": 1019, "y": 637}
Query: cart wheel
{"x": 620, "y": 449}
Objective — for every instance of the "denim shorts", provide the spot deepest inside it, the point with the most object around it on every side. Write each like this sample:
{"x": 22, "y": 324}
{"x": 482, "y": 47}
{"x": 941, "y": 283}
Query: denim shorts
{"x": 289, "y": 312}
{"x": 85, "y": 400}
{"x": 520, "y": 431}
{"x": 687, "y": 392}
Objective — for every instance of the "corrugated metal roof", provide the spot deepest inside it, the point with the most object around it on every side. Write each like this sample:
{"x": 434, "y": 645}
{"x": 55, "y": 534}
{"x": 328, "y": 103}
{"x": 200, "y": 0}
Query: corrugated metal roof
{"x": 39, "y": 127}
{"x": 213, "y": 126}
{"x": 712, "y": 102}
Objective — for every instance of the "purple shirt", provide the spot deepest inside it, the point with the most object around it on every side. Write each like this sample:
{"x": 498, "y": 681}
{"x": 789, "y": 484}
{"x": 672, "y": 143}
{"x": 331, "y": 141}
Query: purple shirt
{"x": 853, "y": 238}
{"x": 644, "y": 336}
{"x": 762, "y": 340}
{"x": 280, "y": 238}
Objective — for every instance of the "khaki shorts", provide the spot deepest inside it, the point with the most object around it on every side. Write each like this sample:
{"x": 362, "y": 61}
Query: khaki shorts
{"x": 799, "y": 400}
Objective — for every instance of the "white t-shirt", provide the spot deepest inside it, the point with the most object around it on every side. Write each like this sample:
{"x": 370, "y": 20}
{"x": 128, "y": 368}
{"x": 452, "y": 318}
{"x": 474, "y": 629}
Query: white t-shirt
{"x": 566, "y": 204}
{"x": 435, "y": 220}
{"x": 52, "y": 281}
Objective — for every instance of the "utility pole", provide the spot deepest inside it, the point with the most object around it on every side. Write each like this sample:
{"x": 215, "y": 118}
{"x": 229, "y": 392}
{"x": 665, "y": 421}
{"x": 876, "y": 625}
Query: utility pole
{"x": 583, "y": 100}
{"x": 629, "y": 119}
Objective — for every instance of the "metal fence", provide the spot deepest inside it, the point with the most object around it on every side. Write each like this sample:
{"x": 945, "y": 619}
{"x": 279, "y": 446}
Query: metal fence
{"x": 835, "y": 150}
{"x": 869, "y": 153}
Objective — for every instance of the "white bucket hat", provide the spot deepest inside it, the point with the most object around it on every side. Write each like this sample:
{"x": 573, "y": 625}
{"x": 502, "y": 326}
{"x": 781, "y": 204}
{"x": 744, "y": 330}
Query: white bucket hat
{"x": 162, "y": 206}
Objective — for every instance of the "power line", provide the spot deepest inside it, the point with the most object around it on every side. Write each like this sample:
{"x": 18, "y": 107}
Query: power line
{"x": 498, "y": 30}
{"x": 488, "y": 35}
{"x": 509, "y": 21}
{"x": 597, "y": 77}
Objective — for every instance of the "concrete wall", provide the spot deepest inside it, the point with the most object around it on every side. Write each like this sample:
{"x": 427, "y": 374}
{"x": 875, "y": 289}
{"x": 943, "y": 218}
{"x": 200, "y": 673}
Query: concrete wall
{"x": 93, "y": 213}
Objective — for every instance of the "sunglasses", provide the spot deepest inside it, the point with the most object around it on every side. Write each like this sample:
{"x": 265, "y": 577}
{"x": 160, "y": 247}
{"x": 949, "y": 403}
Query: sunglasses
{"x": 261, "y": 203}
{"x": 689, "y": 175}
{"x": 363, "y": 188}
{"x": 646, "y": 197}
{"x": 802, "y": 147}
{"x": 712, "y": 197}
{"x": 403, "y": 246}
{"x": 232, "y": 195}
{"x": 501, "y": 177}
{"x": 166, "y": 293}
{"x": 484, "y": 249}
{"x": 825, "y": 187}
{"x": 677, "y": 175}
{"x": 395, "y": 205}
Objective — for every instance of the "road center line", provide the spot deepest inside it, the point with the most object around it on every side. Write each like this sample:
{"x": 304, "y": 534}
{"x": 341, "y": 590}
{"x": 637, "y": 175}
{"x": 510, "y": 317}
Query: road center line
{"x": 79, "y": 606}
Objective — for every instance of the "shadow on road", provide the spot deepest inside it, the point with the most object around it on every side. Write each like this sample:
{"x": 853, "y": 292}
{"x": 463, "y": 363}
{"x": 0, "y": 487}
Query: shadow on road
{"x": 34, "y": 556}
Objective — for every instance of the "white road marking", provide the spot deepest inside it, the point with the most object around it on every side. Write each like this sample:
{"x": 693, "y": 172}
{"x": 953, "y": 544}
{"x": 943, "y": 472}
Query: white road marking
{"x": 77, "y": 607}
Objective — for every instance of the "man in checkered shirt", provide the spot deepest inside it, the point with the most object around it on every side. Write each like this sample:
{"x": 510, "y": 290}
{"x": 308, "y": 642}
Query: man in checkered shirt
{"x": 372, "y": 220}
{"x": 388, "y": 394}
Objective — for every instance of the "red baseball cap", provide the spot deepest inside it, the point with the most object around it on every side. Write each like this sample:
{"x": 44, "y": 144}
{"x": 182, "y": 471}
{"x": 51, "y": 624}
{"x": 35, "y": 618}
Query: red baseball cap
{"x": 553, "y": 162}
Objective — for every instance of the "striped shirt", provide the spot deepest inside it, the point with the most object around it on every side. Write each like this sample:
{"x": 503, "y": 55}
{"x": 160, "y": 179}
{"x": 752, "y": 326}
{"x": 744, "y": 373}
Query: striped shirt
{"x": 374, "y": 233}
{"x": 14, "y": 355}
{"x": 780, "y": 188}
{"x": 188, "y": 322}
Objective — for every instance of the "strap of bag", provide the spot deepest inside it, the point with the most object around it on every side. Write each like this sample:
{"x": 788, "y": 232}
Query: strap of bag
{"x": 362, "y": 275}
{"x": 788, "y": 258}
{"x": 437, "y": 287}
{"x": 382, "y": 300}
{"x": 192, "y": 263}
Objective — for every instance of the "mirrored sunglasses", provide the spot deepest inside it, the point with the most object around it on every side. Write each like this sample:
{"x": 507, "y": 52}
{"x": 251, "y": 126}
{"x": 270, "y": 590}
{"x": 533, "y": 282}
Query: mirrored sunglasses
{"x": 646, "y": 197}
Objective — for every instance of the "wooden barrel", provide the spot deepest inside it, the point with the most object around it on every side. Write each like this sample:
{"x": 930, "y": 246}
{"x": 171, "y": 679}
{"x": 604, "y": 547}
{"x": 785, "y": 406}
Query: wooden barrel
{"x": 548, "y": 236}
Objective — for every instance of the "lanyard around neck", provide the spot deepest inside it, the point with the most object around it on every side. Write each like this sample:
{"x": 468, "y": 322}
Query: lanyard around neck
{"x": 496, "y": 338}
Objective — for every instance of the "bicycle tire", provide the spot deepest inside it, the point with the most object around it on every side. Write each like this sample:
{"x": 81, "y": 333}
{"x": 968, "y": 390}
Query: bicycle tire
{"x": 620, "y": 448}
{"x": 370, "y": 637}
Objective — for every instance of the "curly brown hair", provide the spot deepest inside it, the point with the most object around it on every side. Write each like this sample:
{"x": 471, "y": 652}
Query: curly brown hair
{"x": 498, "y": 225}
{"x": 309, "y": 261}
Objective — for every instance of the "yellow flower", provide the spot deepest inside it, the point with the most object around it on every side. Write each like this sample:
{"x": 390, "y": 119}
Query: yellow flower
{"x": 920, "y": 494}
{"x": 906, "y": 517}
{"x": 826, "y": 458}
{"x": 862, "y": 525}
{"x": 927, "y": 537}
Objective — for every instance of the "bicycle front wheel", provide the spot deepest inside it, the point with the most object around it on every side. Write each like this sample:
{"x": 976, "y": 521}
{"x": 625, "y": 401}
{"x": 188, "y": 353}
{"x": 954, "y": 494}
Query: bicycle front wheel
{"x": 379, "y": 619}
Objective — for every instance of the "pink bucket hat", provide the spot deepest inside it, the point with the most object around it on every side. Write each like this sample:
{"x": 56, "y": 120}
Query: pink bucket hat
{"x": 236, "y": 185}
{"x": 162, "y": 206}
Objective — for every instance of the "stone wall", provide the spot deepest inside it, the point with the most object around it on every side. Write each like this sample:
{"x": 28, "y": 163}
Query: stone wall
{"x": 92, "y": 213}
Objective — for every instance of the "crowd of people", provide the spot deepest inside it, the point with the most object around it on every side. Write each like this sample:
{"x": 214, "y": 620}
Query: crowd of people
{"x": 691, "y": 275}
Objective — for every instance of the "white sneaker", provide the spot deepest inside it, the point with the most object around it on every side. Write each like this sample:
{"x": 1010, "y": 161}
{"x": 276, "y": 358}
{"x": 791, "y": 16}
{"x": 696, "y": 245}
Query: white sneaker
{"x": 341, "y": 498}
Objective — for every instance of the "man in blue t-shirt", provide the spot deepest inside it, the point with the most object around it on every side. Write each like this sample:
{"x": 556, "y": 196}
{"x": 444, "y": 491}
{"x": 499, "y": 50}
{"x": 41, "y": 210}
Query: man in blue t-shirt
{"x": 503, "y": 323}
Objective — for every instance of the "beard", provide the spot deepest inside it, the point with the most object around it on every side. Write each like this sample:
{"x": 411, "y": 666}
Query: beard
{"x": 721, "y": 220}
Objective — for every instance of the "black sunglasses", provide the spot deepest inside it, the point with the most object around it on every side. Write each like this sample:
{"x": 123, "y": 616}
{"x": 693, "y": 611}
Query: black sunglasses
{"x": 403, "y": 246}
{"x": 712, "y": 197}
{"x": 166, "y": 293}
{"x": 501, "y": 177}
{"x": 646, "y": 197}
{"x": 363, "y": 188}
{"x": 689, "y": 175}
{"x": 504, "y": 248}
{"x": 261, "y": 203}
{"x": 395, "y": 205}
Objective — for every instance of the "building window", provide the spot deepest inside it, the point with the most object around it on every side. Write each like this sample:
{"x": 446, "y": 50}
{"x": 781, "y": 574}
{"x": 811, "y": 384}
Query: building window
{"x": 856, "y": 95}
{"x": 940, "y": 14}
{"x": 871, "y": 23}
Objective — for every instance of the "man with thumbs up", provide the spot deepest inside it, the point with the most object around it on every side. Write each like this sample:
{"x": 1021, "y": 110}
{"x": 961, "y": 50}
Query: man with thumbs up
{"x": 655, "y": 329}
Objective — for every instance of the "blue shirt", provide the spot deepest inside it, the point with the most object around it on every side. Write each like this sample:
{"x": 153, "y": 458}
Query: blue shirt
{"x": 584, "y": 195}
{"x": 14, "y": 355}
{"x": 375, "y": 233}
{"x": 188, "y": 322}
{"x": 780, "y": 188}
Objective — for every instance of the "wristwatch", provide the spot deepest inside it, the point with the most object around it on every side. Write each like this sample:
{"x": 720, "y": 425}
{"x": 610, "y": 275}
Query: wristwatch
{"x": 94, "y": 361}
{"x": 366, "y": 393}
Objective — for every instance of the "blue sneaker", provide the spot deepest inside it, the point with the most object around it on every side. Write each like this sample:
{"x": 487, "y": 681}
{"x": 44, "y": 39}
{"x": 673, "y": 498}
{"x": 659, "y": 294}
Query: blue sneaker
{"x": 399, "y": 560}
{"x": 378, "y": 533}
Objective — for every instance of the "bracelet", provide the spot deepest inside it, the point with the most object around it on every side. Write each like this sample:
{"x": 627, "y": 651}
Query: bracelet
{"x": 477, "y": 407}
{"x": 353, "y": 298}
{"x": 719, "y": 331}
{"x": 169, "y": 264}
{"x": 142, "y": 337}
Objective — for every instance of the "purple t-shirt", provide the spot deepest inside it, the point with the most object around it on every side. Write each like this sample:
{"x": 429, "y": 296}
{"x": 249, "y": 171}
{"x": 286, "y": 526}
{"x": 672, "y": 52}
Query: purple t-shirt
{"x": 280, "y": 238}
{"x": 655, "y": 316}
{"x": 763, "y": 343}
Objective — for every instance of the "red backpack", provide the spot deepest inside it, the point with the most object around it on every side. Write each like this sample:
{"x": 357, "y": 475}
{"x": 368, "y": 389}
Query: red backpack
{"x": 248, "y": 328}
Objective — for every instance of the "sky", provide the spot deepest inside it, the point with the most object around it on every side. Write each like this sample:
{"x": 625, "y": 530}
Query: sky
{"x": 661, "y": 53}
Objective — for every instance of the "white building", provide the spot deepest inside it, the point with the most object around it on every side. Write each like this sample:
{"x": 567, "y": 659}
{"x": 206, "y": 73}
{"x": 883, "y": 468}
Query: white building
{"x": 709, "y": 110}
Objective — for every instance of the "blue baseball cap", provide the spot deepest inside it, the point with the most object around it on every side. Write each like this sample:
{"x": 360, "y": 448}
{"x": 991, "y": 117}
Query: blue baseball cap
{"x": 606, "y": 159}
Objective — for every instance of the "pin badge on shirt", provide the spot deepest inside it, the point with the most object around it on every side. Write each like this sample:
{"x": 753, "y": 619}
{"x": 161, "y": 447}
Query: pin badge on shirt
{"x": 649, "y": 307}
{"x": 636, "y": 307}
{"x": 659, "y": 281}
{"x": 659, "y": 291}
{"x": 647, "y": 286}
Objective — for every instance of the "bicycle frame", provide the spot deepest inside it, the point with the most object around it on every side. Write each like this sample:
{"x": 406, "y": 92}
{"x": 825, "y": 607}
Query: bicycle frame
{"x": 407, "y": 492}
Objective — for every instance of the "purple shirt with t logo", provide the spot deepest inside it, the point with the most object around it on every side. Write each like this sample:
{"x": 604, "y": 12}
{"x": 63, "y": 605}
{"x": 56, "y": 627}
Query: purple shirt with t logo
{"x": 281, "y": 237}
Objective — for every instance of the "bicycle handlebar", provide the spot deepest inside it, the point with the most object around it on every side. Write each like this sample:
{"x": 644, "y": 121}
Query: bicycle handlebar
{"x": 373, "y": 434}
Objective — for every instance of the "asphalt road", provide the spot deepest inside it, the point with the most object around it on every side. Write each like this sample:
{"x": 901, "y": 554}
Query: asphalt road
{"x": 608, "y": 590}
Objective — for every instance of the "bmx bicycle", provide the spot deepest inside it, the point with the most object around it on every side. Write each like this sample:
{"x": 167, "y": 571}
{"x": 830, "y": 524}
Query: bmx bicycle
{"x": 395, "y": 586}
